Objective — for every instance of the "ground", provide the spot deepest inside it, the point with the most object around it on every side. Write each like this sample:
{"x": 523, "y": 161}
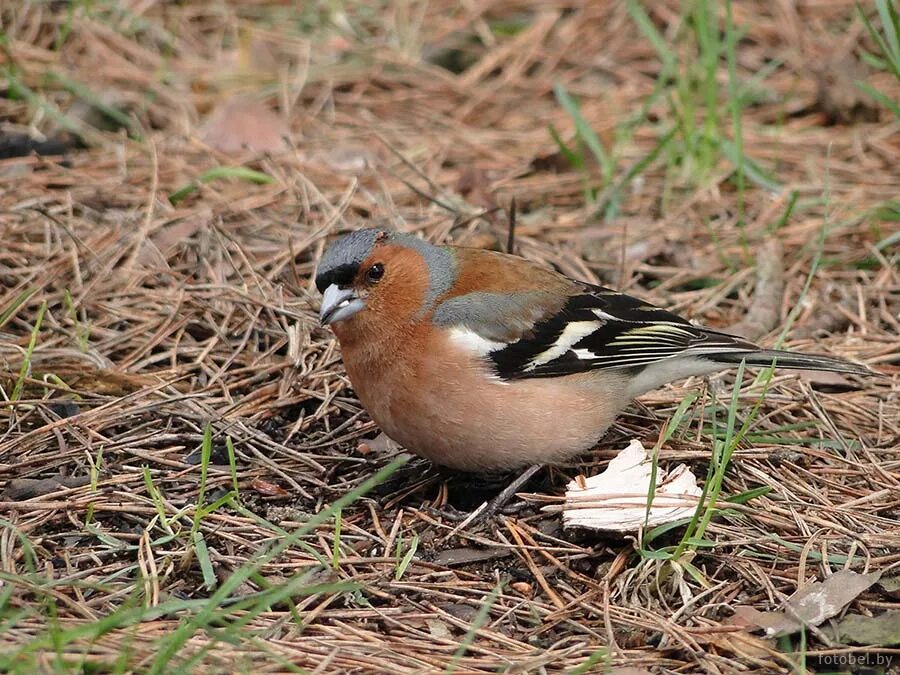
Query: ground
{"x": 185, "y": 482}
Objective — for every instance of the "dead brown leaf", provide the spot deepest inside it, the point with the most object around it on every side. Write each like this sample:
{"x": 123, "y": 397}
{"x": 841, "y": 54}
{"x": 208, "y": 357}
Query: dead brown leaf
{"x": 810, "y": 606}
{"x": 240, "y": 124}
{"x": 19, "y": 489}
{"x": 380, "y": 444}
{"x": 837, "y": 94}
{"x": 882, "y": 630}
{"x": 453, "y": 557}
{"x": 268, "y": 489}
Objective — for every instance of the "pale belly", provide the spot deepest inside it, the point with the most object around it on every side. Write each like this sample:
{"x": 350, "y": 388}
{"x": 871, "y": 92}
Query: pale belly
{"x": 458, "y": 418}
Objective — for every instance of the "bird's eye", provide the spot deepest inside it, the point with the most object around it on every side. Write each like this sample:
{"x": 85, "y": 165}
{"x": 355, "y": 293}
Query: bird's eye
{"x": 375, "y": 272}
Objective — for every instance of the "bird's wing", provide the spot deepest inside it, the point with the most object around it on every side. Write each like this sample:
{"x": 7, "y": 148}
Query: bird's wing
{"x": 528, "y": 335}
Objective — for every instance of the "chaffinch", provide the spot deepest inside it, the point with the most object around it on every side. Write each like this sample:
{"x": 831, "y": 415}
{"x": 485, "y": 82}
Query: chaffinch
{"x": 484, "y": 361}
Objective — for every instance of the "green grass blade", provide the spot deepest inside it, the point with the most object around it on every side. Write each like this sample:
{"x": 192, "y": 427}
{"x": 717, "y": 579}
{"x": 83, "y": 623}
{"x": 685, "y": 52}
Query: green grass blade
{"x": 18, "y": 89}
{"x": 15, "y": 305}
{"x": 749, "y": 495}
{"x": 751, "y": 169}
{"x": 890, "y": 24}
{"x": 478, "y": 621}
{"x": 336, "y": 544}
{"x": 883, "y": 99}
{"x": 889, "y": 241}
{"x": 407, "y": 558}
{"x": 87, "y": 95}
{"x": 736, "y": 114}
{"x": 584, "y": 131}
{"x": 238, "y": 172}
{"x": 202, "y": 553}
{"x": 645, "y": 24}
{"x": 205, "y": 455}
{"x": 573, "y": 158}
{"x": 886, "y": 43}
{"x": 29, "y": 352}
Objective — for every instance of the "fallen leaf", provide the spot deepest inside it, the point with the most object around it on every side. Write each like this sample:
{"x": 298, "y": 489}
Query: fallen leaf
{"x": 174, "y": 233}
{"x": 63, "y": 408}
{"x": 738, "y": 642}
{"x": 553, "y": 162}
{"x": 838, "y": 96}
{"x": 810, "y": 606}
{"x": 346, "y": 158}
{"x": 891, "y": 586}
{"x": 438, "y": 629}
{"x": 19, "y": 489}
{"x": 822, "y": 600}
{"x": 744, "y": 646}
{"x": 616, "y": 500}
{"x": 239, "y": 124}
{"x": 771, "y": 622}
{"x": 465, "y": 613}
{"x": 162, "y": 244}
{"x": 379, "y": 445}
{"x": 218, "y": 456}
{"x": 268, "y": 489}
{"x": 452, "y": 557}
{"x": 882, "y": 630}
{"x": 522, "y": 588}
{"x": 474, "y": 185}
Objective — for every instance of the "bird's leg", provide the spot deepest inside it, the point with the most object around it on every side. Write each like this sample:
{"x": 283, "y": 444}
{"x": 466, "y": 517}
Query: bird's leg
{"x": 493, "y": 507}
{"x": 467, "y": 513}
{"x": 490, "y": 508}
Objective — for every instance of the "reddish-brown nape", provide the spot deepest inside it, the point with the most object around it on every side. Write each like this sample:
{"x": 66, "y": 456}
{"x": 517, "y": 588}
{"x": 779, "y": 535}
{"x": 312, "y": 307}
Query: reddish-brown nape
{"x": 485, "y": 271}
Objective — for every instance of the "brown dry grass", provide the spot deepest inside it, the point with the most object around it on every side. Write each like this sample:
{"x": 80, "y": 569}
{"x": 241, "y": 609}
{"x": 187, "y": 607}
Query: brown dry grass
{"x": 202, "y": 313}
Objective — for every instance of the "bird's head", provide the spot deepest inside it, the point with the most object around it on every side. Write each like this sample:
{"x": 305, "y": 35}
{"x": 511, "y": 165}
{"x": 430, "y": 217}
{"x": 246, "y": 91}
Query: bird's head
{"x": 381, "y": 277}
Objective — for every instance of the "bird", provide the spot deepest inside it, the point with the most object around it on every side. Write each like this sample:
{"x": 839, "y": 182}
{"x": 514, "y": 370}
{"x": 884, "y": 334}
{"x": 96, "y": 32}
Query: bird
{"x": 483, "y": 361}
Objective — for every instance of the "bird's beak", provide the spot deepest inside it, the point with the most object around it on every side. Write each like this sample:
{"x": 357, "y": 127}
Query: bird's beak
{"x": 338, "y": 304}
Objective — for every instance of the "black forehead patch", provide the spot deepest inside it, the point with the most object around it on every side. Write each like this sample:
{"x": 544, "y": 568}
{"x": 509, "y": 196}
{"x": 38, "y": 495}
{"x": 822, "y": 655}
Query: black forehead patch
{"x": 342, "y": 258}
{"x": 342, "y": 275}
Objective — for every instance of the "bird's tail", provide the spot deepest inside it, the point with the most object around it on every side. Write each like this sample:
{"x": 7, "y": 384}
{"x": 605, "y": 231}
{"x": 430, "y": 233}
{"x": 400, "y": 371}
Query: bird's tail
{"x": 782, "y": 359}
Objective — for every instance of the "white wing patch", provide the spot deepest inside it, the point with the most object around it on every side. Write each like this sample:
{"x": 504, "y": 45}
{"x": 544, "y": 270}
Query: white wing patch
{"x": 473, "y": 342}
{"x": 572, "y": 333}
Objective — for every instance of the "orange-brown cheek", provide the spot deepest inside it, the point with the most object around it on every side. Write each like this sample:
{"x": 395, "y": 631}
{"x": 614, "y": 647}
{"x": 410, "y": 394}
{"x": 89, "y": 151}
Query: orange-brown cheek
{"x": 384, "y": 333}
{"x": 342, "y": 331}
{"x": 368, "y": 329}
{"x": 397, "y": 299}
